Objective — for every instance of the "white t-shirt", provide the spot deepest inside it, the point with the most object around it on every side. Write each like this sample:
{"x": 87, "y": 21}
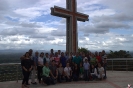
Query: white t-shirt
{"x": 40, "y": 60}
{"x": 47, "y": 59}
{"x": 101, "y": 70}
{"x": 67, "y": 70}
{"x": 84, "y": 59}
{"x": 95, "y": 72}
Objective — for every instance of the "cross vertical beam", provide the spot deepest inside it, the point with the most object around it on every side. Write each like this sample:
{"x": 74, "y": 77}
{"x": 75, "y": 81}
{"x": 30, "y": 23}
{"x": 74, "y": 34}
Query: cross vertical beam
{"x": 71, "y": 15}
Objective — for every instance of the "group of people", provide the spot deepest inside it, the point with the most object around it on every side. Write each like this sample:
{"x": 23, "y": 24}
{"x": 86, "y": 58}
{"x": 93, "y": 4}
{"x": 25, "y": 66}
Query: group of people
{"x": 62, "y": 67}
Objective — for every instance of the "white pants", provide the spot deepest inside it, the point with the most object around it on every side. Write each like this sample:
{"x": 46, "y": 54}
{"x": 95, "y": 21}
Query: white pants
{"x": 102, "y": 75}
{"x": 33, "y": 75}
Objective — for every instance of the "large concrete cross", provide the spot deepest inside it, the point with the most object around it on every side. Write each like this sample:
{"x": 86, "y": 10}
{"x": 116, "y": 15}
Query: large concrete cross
{"x": 72, "y": 16}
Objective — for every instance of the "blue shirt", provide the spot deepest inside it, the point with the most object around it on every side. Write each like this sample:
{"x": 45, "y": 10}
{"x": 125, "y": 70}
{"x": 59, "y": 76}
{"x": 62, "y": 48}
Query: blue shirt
{"x": 35, "y": 59}
{"x": 86, "y": 66}
{"x": 63, "y": 61}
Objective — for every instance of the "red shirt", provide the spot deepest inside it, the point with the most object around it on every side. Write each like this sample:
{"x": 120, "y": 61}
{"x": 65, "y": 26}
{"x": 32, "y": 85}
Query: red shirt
{"x": 57, "y": 60}
{"x": 99, "y": 58}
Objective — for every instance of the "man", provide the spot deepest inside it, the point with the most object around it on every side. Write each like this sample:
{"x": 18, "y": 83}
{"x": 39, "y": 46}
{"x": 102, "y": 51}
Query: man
{"x": 63, "y": 60}
{"x": 59, "y": 53}
{"x": 35, "y": 60}
{"x": 51, "y": 51}
{"x": 104, "y": 60}
{"x": 66, "y": 55}
{"x": 47, "y": 59}
{"x": 77, "y": 59}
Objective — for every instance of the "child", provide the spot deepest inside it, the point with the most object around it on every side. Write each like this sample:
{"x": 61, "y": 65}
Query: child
{"x": 86, "y": 70}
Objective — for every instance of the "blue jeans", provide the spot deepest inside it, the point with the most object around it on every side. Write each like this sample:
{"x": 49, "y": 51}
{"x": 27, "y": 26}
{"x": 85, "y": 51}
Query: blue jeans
{"x": 86, "y": 75}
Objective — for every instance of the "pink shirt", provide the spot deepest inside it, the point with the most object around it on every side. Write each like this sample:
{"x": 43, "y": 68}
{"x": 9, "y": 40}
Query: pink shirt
{"x": 57, "y": 60}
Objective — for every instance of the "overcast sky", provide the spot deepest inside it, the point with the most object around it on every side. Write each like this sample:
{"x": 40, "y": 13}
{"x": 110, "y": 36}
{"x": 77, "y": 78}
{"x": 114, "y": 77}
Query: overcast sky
{"x": 26, "y": 24}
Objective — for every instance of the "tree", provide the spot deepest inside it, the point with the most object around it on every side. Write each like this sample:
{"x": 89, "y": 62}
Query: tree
{"x": 84, "y": 50}
{"x": 119, "y": 54}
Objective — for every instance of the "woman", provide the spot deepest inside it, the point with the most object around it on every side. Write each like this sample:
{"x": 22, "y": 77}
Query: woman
{"x": 46, "y": 74}
{"x": 101, "y": 73}
{"x": 60, "y": 73}
{"x": 26, "y": 67}
{"x": 68, "y": 73}
{"x": 57, "y": 59}
{"x": 40, "y": 66}
{"x": 93, "y": 72}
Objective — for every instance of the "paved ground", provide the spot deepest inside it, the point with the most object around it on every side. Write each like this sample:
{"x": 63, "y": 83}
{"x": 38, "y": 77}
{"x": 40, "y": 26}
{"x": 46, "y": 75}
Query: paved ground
{"x": 116, "y": 79}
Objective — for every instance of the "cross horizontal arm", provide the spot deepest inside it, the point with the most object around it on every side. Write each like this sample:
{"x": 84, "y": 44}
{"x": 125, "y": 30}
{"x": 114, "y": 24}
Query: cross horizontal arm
{"x": 61, "y": 12}
{"x": 82, "y": 17}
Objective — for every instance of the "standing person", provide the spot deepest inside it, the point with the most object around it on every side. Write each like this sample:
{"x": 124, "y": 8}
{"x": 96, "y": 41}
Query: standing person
{"x": 70, "y": 61}
{"x": 63, "y": 60}
{"x": 67, "y": 56}
{"x": 35, "y": 59}
{"x": 27, "y": 67}
{"x": 51, "y": 59}
{"x": 68, "y": 73}
{"x": 86, "y": 70}
{"x": 51, "y": 51}
{"x": 56, "y": 59}
{"x": 59, "y": 53}
{"x": 104, "y": 60}
{"x": 77, "y": 59}
{"x": 100, "y": 57}
{"x": 46, "y": 74}
{"x": 40, "y": 66}
{"x": 46, "y": 58}
{"x": 93, "y": 59}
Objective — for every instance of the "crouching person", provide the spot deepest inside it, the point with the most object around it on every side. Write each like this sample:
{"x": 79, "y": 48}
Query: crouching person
{"x": 93, "y": 72}
{"x": 54, "y": 71}
{"x": 68, "y": 73}
{"x": 101, "y": 73}
{"x": 60, "y": 73}
{"x": 46, "y": 75}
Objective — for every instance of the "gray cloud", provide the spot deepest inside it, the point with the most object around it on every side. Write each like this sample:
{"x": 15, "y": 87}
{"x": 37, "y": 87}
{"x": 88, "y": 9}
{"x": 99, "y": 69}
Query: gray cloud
{"x": 113, "y": 25}
{"x": 18, "y": 31}
{"x": 92, "y": 29}
{"x": 58, "y": 32}
{"x": 42, "y": 36}
{"x": 30, "y": 25}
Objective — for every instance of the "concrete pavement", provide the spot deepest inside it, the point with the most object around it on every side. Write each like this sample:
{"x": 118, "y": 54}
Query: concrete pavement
{"x": 116, "y": 79}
